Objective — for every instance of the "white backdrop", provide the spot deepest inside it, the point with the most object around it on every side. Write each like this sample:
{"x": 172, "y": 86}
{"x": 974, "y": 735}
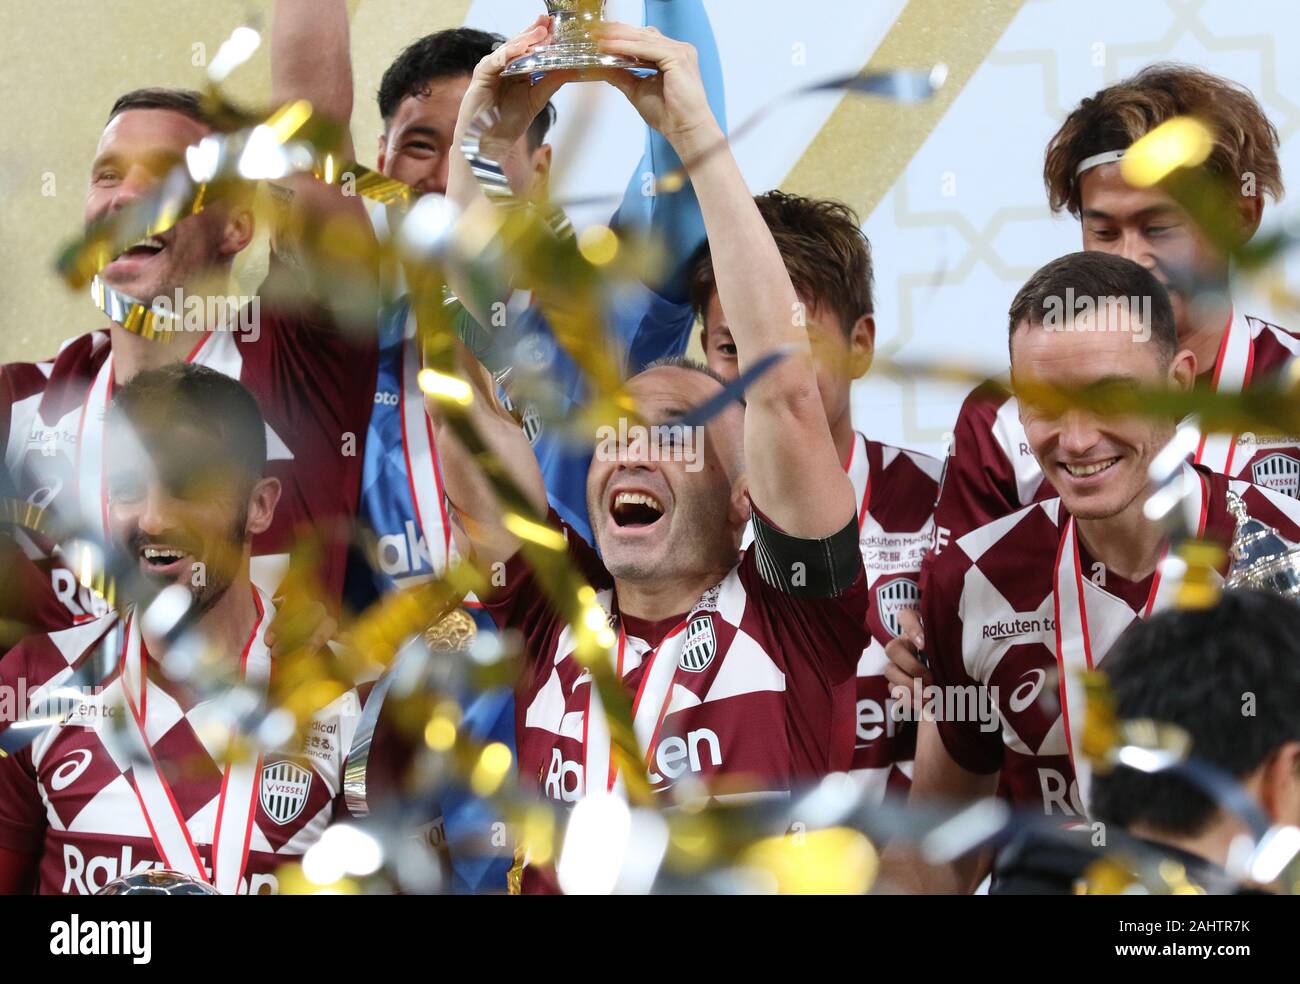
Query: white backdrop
{"x": 967, "y": 221}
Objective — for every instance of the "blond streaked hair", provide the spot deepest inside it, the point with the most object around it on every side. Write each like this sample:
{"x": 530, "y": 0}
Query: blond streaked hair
{"x": 1112, "y": 119}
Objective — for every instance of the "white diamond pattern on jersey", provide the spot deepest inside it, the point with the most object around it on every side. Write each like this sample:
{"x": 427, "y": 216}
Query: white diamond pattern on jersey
{"x": 738, "y": 668}
{"x": 88, "y": 780}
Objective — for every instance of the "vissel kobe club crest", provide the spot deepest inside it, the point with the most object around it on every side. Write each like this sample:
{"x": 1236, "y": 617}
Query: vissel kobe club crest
{"x": 1279, "y": 472}
{"x": 892, "y": 598}
{"x": 284, "y": 790}
{"x": 701, "y": 645}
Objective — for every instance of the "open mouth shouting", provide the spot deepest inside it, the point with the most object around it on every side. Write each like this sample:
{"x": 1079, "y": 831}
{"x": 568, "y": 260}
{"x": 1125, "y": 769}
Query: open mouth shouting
{"x": 137, "y": 255}
{"x": 633, "y": 509}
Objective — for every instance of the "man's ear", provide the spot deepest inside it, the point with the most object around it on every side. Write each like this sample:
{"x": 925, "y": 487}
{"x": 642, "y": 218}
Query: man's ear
{"x": 862, "y": 346}
{"x": 1250, "y": 211}
{"x": 239, "y": 230}
{"x": 1279, "y": 784}
{"x": 383, "y": 153}
{"x": 740, "y": 509}
{"x": 1183, "y": 370}
{"x": 540, "y": 165}
{"x": 261, "y": 506}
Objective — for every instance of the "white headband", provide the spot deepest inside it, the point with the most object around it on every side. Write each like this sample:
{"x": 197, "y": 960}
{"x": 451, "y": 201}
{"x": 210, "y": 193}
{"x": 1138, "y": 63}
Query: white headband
{"x": 1096, "y": 160}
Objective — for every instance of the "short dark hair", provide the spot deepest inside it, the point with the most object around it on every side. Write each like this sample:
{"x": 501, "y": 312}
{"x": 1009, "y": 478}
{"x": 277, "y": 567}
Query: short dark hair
{"x": 189, "y": 395}
{"x": 442, "y": 55}
{"x": 689, "y": 364}
{"x": 187, "y": 102}
{"x": 1115, "y": 117}
{"x": 825, "y": 253}
{"x": 1196, "y": 669}
{"x": 1094, "y": 275}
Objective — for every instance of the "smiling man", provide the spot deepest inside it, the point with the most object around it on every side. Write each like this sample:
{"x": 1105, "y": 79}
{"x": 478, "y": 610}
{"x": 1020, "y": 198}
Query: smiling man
{"x": 301, "y": 366}
{"x": 742, "y": 662}
{"x": 134, "y": 777}
{"x": 991, "y": 468}
{"x": 1015, "y": 609}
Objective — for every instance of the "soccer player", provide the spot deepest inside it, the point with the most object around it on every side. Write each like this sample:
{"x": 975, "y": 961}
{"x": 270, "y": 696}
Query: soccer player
{"x": 992, "y": 470}
{"x": 302, "y": 367}
{"x": 419, "y": 100}
{"x": 129, "y": 780}
{"x": 829, "y": 262}
{"x": 403, "y": 504}
{"x": 1014, "y": 610}
{"x": 1195, "y": 669}
{"x": 742, "y": 662}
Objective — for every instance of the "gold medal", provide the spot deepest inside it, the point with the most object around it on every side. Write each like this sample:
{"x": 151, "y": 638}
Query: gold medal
{"x": 455, "y": 632}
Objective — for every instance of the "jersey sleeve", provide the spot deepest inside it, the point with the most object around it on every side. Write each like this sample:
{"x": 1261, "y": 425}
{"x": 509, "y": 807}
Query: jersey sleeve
{"x": 816, "y": 643}
{"x": 22, "y": 813}
{"x": 29, "y": 602}
{"x": 979, "y": 480}
{"x": 672, "y": 218}
{"x": 820, "y": 635}
{"x": 315, "y": 384}
{"x": 942, "y": 616}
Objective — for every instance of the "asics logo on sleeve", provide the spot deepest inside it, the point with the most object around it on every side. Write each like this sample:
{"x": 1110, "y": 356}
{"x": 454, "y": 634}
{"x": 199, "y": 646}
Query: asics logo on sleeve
{"x": 70, "y": 769}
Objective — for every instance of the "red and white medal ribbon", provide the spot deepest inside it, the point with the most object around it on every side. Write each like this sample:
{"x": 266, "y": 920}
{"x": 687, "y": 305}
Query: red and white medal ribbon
{"x": 237, "y": 804}
{"x": 1074, "y": 641}
{"x": 89, "y": 470}
{"x": 649, "y": 708}
{"x": 1232, "y": 371}
{"x": 423, "y": 472}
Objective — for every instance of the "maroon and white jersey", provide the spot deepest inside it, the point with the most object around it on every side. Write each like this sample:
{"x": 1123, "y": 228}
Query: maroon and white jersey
{"x": 749, "y": 691}
{"x": 895, "y": 491}
{"x": 991, "y": 470}
{"x": 1014, "y": 609}
{"x": 129, "y": 781}
{"x": 313, "y": 384}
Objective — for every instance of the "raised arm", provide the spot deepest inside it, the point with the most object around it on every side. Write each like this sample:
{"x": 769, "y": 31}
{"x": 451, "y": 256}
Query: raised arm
{"x": 518, "y": 102}
{"x": 311, "y": 59}
{"x": 673, "y": 217}
{"x": 795, "y": 476}
{"x": 466, "y": 486}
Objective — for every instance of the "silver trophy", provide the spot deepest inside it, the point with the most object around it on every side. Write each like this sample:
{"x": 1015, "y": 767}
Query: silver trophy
{"x": 1261, "y": 558}
{"x": 574, "y": 49}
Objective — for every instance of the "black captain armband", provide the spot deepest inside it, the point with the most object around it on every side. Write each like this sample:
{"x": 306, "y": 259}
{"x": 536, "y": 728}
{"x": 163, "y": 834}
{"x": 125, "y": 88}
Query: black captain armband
{"x": 807, "y": 568}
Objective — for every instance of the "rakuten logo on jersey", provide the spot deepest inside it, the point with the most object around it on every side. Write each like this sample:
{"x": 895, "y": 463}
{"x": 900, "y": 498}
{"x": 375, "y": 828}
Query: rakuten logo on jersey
{"x": 1060, "y": 796}
{"x": 84, "y": 875}
{"x": 83, "y": 603}
{"x": 674, "y": 757}
{"x": 404, "y": 553}
{"x": 876, "y": 719}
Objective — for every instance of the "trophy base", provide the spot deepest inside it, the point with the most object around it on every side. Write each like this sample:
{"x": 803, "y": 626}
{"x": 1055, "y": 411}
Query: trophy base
{"x": 572, "y": 58}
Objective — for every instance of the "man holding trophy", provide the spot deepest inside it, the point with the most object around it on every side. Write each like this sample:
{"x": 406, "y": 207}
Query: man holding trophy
{"x": 742, "y": 661}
